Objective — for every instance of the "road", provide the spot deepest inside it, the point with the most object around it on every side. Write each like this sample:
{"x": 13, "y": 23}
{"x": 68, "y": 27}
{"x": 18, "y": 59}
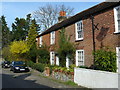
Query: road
{"x": 31, "y": 80}
{"x": 19, "y": 80}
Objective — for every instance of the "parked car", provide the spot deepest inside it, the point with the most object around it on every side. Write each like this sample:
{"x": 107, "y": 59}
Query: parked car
{"x": 5, "y": 64}
{"x": 19, "y": 66}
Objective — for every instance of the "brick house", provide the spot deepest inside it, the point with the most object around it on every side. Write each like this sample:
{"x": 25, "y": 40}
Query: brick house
{"x": 91, "y": 29}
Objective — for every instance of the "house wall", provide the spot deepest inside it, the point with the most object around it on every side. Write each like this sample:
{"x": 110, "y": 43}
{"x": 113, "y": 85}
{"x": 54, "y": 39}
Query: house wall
{"x": 106, "y": 28}
{"x": 46, "y": 39}
{"x": 104, "y": 35}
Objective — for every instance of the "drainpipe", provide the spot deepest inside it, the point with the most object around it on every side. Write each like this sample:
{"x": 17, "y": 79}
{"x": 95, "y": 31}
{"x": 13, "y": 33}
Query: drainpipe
{"x": 93, "y": 38}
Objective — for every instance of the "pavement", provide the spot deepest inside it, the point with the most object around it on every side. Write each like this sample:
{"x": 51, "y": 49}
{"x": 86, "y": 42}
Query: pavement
{"x": 32, "y": 79}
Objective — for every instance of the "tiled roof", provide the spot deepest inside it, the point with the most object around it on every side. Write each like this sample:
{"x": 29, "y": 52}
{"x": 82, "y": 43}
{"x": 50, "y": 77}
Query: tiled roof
{"x": 84, "y": 14}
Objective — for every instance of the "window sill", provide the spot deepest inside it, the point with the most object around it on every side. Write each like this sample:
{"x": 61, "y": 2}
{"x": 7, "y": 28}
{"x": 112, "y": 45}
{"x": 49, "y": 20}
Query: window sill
{"x": 116, "y": 32}
{"x": 52, "y": 44}
{"x": 79, "y": 40}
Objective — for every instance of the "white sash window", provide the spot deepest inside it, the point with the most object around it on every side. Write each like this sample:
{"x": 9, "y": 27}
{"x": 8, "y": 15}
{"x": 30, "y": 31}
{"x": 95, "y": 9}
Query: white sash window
{"x": 79, "y": 30}
{"x": 52, "y": 37}
{"x": 117, "y": 18}
{"x": 40, "y": 41}
{"x": 79, "y": 57}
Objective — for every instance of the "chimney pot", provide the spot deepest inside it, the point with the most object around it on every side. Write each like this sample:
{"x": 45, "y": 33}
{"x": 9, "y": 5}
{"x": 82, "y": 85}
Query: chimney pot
{"x": 62, "y": 13}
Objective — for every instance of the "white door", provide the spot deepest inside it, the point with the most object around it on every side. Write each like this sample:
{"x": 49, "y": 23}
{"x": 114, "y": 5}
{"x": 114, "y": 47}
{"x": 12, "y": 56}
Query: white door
{"x": 67, "y": 62}
{"x": 57, "y": 60}
{"x": 118, "y": 58}
{"x": 52, "y": 57}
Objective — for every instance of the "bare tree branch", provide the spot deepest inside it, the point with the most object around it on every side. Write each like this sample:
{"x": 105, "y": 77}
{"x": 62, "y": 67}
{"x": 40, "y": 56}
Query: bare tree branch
{"x": 48, "y": 15}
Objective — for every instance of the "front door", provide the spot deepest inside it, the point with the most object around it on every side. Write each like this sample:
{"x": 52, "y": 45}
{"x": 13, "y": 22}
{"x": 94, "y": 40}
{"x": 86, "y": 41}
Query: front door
{"x": 57, "y": 60}
{"x": 118, "y": 58}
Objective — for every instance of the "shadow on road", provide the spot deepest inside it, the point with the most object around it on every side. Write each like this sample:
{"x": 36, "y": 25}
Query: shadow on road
{"x": 11, "y": 81}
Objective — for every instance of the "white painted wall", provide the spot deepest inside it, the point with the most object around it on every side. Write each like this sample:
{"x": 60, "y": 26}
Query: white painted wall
{"x": 95, "y": 79}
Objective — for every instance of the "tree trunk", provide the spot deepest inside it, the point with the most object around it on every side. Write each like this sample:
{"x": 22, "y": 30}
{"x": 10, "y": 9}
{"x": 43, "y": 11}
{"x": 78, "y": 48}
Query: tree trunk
{"x": 36, "y": 59}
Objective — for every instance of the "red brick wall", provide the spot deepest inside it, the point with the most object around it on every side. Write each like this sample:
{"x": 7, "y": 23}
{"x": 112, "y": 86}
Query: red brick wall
{"x": 104, "y": 36}
{"x": 46, "y": 39}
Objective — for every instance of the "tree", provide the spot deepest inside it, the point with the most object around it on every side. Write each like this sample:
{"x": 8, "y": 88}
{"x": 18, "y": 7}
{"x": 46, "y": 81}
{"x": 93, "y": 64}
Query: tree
{"x": 21, "y": 27}
{"x": 31, "y": 41}
{"x": 43, "y": 54}
{"x": 19, "y": 49}
{"x": 0, "y": 37}
{"x": 5, "y": 32}
{"x": 48, "y": 15}
{"x": 6, "y": 53}
{"x": 66, "y": 48}
{"x": 32, "y": 33}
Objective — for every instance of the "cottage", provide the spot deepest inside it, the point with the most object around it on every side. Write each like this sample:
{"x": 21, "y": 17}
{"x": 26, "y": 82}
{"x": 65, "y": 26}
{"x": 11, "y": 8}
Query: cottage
{"x": 91, "y": 29}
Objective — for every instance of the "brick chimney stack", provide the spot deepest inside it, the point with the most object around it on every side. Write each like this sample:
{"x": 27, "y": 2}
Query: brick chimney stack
{"x": 62, "y": 16}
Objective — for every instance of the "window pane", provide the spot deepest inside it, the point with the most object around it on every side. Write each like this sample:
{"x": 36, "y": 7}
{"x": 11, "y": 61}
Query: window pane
{"x": 53, "y": 37}
{"x": 80, "y": 58}
{"x": 118, "y": 25}
{"x": 79, "y": 30}
{"x": 118, "y": 18}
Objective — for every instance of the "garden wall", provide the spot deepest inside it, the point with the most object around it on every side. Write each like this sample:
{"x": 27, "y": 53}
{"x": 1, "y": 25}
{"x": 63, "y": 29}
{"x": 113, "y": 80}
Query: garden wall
{"x": 62, "y": 76}
{"x": 95, "y": 78}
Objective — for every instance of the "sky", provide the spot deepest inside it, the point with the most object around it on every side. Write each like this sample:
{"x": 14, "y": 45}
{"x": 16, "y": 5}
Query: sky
{"x": 11, "y": 10}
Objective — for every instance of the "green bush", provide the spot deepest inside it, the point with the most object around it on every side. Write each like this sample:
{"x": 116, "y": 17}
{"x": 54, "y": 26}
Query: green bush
{"x": 83, "y": 67}
{"x": 72, "y": 66}
{"x": 30, "y": 63}
{"x": 66, "y": 48}
{"x": 43, "y": 54}
{"x": 38, "y": 66}
{"x": 105, "y": 60}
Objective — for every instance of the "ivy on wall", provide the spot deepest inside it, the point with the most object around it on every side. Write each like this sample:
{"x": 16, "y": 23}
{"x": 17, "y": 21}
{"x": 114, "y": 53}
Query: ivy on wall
{"x": 66, "y": 48}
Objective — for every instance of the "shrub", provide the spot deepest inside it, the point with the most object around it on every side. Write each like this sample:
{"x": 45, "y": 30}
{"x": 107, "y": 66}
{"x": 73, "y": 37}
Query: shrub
{"x": 105, "y": 60}
{"x": 66, "y": 48}
{"x": 6, "y": 53}
{"x": 19, "y": 49}
{"x": 38, "y": 66}
{"x": 72, "y": 66}
{"x": 30, "y": 63}
{"x": 43, "y": 54}
{"x": 32, "y": 53}
{"x": 83, "y": 67}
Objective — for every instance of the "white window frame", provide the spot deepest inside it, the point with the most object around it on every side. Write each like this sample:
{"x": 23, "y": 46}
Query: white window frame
{"x": 52, "y": 57}
{"x": 80, "y": 29}
{"x": 40, "y": 41}
{"x": 116, "y": 19}
{"x": 118, "y": 56}
{"x": 77, "y": 64}
{"x": 52, "y": 37}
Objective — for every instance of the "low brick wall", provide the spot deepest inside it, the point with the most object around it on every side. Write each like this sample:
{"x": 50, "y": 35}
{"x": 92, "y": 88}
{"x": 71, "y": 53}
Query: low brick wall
{"x": 62, "y": 76}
